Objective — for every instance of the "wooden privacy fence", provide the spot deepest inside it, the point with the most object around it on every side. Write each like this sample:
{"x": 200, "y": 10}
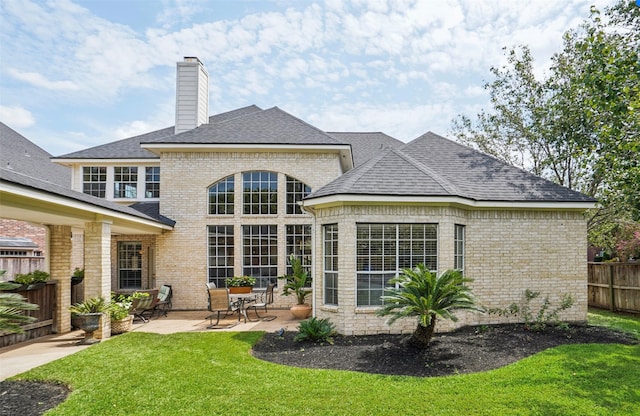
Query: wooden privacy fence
{"x": 614, "y": 286}
{"x": 45, "y": 297}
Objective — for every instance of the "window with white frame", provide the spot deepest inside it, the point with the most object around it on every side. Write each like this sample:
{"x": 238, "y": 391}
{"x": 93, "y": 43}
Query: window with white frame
{"x": 152, "y": 182}
{"x": 260, "y": 192}
{"x": 94, "y": 180}
{"x": 299, "y": 244}
{"x": 130, "y": 264}
{"x": 458, "y": 248}
{"x": 260, "y": 253}
{"x": 330, "y": 267}
{"x": 296, "y": 191}
{"x": 221, "y": 197}
{"x": 221, "y": 253}
{"x": 125, "y": 182}
{"x": 383, "y": 250}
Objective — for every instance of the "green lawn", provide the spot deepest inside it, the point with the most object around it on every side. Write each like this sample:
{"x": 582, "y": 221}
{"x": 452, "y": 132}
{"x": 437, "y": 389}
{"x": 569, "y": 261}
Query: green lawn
{"x": 213, "y": 374}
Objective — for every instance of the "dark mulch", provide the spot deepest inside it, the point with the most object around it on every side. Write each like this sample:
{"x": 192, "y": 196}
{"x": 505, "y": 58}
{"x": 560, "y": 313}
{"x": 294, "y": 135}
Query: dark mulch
{"x": 467, "y": 350}
{"x": 29, "y": 398}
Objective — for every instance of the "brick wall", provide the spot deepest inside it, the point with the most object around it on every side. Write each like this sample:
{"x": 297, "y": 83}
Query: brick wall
{"x": 182, "y": 253}
{"x": 14, "y": 228}
{"x": 507, "y": 252}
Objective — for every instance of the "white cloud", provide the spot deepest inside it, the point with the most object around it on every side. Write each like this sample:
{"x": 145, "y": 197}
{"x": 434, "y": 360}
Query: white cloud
{"x": 16, "y": 117}
{"x": 39, "y": 80}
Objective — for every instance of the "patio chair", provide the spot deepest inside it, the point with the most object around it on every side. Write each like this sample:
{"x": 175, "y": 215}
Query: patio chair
{"x": 165, "y": 293}
{"x": 219, "y": 302}
{"x": 265, "y": 301}
{"x": 141, "y": 305}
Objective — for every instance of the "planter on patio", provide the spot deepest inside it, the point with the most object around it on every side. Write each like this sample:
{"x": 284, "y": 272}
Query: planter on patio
{"x": 122, "y": 325}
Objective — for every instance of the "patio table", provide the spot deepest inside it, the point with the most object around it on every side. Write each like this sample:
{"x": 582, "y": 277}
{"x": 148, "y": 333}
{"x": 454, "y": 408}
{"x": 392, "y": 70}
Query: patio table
{"x": 241, "y": 299}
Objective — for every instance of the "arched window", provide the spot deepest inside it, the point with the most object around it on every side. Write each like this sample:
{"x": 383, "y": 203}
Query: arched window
{"x": 296, "y": 190}
{"x": 260, "y": 192}
{"x": 221, "y": 197}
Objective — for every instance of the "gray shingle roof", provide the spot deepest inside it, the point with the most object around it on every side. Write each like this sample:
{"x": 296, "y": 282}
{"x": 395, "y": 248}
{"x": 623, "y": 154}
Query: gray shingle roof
{"x": 365, "y": 145}
{"x": 272, "y": 126}
{"x": 434, "y": 166}
{"x": 21, "y": 155}
{"x": 130, "y": 148}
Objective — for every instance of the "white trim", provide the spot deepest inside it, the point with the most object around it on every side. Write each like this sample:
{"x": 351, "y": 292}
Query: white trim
{"x": 191, "y": 147}
{"x": 104, "y": 162}
{"x": 349, "y": 199}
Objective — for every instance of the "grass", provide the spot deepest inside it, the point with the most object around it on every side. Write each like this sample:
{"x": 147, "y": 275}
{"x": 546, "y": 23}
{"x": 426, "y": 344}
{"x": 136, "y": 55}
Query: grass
{"x": 214, "y": 374}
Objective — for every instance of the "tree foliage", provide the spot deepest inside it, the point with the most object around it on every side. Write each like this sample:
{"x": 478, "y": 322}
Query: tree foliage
{"x": 578, "y": 126}
{"x": 426, "y": 296}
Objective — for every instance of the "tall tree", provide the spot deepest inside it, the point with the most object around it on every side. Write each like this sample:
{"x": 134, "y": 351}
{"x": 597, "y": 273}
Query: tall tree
{"x": 580, "y": 126}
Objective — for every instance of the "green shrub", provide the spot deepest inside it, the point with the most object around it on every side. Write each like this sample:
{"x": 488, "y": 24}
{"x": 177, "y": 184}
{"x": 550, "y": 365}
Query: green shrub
{"x": 35, "y": 276}
{"x": 119, "y": 307}
{"x": 544, "y": 316}
{"x": 316, "y": 330}
{"x": 92, "y": 305}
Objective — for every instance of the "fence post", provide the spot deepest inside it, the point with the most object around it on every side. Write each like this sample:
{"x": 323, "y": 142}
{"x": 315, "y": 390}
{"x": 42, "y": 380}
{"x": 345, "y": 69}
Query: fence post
{"x": 611, "y": 292}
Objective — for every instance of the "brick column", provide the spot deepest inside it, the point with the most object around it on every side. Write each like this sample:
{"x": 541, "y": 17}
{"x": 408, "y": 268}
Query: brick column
{"x": 59, "y": 254}
{"x": 97, "y": 273}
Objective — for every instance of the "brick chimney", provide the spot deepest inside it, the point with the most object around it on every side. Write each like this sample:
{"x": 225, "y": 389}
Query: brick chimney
{"x": 192, "y": 94}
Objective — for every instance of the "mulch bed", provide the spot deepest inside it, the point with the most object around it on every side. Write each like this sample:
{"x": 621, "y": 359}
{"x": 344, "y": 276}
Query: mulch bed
{"x": 467, "y": 350}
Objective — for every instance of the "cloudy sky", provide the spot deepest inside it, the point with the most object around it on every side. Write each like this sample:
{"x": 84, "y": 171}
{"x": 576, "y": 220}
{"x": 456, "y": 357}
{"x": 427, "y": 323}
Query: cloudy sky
{"x": 75, "y": 74}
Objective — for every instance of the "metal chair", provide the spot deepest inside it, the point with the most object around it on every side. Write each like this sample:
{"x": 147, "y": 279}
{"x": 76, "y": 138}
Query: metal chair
{"x": 219, "y": 302}
{"x": 140, "y": 305}
{"x": 267, "y": 299}
{"x": 165, "y": 293}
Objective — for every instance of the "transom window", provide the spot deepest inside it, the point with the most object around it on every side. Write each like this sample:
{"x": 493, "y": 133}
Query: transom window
{"x": 221, "y": 197}
{"x": 152, "y": 182}
{"x": 383, "y": 250}
{"x": 260, "y": 192}
{"x": 458, "y": 248}
{"x": 296, "y": 191}
{"x": 330, "y": 236}
{"x": 94, "y": 180}
{"x": 299, "y": 244}
{"x": 260, "y": 253}
{"x": 125, "y": 181}
{"x": 130, "y": 264}
{"x": 220, "y": 253}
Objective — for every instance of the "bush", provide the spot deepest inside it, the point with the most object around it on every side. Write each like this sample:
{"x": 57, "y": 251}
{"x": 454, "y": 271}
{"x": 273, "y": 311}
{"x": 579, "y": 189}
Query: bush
{"x": 35, "y": 276}
{"x": 316, "y": 330}
{"x": 119, "y": 307}
{"x": 543, "y": 317}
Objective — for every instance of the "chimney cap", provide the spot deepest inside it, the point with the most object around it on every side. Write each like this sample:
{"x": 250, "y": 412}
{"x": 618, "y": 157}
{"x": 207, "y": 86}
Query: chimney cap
{"x": 192, "y": 59}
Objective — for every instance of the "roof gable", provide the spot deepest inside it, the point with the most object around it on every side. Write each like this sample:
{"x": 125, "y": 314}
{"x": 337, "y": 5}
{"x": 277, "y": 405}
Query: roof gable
{"x": 432, "y": 166}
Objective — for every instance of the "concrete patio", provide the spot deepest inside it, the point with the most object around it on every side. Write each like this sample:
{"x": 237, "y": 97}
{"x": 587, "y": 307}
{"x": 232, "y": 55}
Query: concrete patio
{"x": 19, "y": 358}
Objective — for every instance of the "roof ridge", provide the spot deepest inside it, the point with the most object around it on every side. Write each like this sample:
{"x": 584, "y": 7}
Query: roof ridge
{"x": 299, "y": 120}
{"x": 445, "y": 184}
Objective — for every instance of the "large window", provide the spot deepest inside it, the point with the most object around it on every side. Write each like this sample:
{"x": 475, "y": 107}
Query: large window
{"x": 458, "y": 249}
{"x": 383, "y": 250}
{"x": 260, "y": 253}
{"x": 296, "y": 190}
{"x": 299, "y": 244}
{"x": 130, "y": 264}
{"x": 330, "y": 242}
{"x": 125, "y": 181}
{"x": 152, "y": 182}
{"x": 94, "y": 180}
{"x": 260, "y": 192}
{"x": 221, "y": 197}
{"x": 220, "y": 253}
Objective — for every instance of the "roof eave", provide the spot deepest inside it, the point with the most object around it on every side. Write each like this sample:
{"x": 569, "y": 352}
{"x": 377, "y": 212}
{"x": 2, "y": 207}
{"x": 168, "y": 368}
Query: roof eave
{"x": 367, "y": 199}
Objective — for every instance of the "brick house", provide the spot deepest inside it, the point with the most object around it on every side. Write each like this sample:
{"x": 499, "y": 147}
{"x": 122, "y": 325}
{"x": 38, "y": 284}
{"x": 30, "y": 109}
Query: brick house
{"x": 240, "y": 191}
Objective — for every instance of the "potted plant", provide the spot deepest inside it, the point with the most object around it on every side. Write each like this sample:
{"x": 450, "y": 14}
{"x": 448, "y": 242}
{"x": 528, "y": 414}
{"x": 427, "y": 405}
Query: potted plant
{"x": 240, "y": 284}
{"x": 297, "y": 285}
{"x": 90, "y": 312}
{"x": 120, "y": 314}
{"x": 77, "y": 276}
{"x": 32, "y": 281}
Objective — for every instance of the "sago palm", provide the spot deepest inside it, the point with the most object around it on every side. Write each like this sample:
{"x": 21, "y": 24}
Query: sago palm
{"x": 12, "y": 307}
{"x": 427, "y": 296}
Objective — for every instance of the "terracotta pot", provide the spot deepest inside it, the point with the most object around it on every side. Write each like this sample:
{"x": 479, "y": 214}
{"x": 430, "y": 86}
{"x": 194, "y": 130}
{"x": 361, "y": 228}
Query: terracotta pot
{"x": 301, "y": 311}
{"x": 240, "y": 289}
